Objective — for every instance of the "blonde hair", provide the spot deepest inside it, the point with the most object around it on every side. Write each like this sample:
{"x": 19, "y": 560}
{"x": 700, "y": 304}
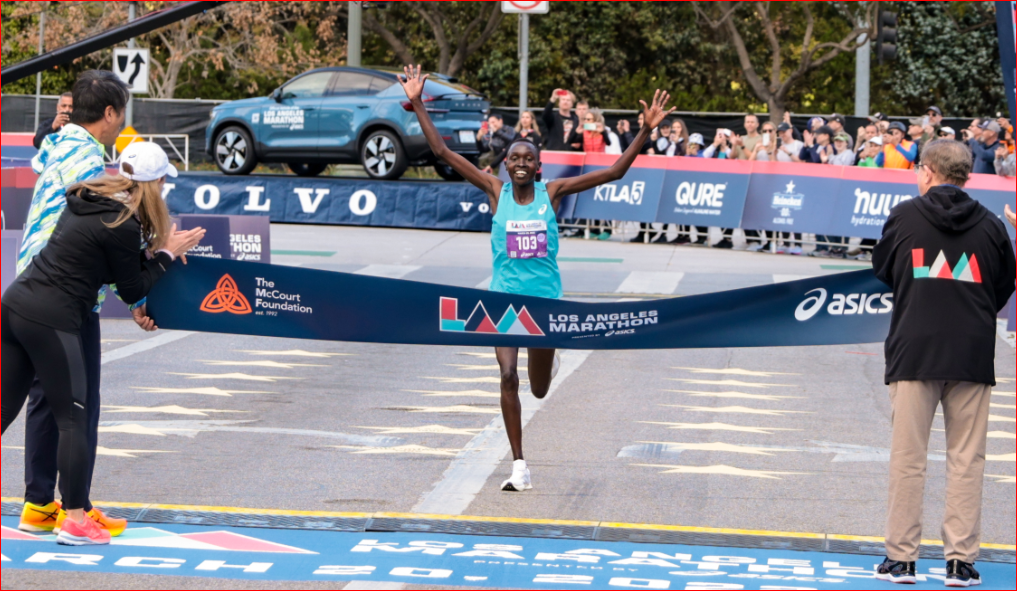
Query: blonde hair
{"x": 534, "y": 127}
{"x": 598, "y": 116}
{"x": 143, "y": 200}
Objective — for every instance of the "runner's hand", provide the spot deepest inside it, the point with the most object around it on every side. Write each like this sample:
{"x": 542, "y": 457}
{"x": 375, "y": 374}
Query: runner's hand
{"x": 1010, "y": 216}
{"x": 655, "y": 114}
{"x": 413, "y": 82}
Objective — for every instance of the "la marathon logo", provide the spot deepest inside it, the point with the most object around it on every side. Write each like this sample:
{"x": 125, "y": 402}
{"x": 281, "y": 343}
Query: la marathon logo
{"x": 513, "y": 323}
{"x": 226, "y": 298}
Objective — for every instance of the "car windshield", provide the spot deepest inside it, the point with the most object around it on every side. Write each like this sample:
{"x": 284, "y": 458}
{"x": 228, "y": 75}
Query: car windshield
{"x": 445, "y": 88}
{"x": 309, "y": 86}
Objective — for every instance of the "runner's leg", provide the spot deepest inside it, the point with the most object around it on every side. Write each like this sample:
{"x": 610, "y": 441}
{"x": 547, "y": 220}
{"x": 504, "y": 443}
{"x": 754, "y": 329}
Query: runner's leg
{"x": 540, "y": 365}
{"x": 511, "y": 409}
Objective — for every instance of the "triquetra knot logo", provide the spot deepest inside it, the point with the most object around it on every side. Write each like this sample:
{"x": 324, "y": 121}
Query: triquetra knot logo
{"x": 226, "y": 298}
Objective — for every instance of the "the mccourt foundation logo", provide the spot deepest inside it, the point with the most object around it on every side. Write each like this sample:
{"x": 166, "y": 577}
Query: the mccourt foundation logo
{"x": 226, "y": 298}
{"x": 514, "y": 323}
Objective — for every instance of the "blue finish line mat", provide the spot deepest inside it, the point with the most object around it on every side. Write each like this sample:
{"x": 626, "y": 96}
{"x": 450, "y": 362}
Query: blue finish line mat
{"x": 449, "y": 560}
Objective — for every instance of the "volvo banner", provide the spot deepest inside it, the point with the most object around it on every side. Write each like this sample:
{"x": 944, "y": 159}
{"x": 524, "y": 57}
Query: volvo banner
{"x": 210, "y": 295}
{"x": 296, "y": 200}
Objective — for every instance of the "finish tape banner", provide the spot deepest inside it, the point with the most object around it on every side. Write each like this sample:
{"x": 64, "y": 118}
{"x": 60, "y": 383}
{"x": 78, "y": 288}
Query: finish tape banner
{"x": 222, "y": 296}
{"x": 295, "y": 200}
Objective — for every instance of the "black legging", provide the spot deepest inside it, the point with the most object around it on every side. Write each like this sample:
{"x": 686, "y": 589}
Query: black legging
{"x": 27, "y": 346}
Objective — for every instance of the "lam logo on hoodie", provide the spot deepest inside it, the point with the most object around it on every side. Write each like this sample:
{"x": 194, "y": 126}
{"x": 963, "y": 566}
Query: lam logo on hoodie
{"x": 966, "y": 270}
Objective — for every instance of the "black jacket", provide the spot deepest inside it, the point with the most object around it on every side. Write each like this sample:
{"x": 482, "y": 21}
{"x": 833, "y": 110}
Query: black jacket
{"x": 951, "y": 265}
{"x": 555, "y": 139}
{"x": 45, "y": 128}
{"x": 58, "y": 289}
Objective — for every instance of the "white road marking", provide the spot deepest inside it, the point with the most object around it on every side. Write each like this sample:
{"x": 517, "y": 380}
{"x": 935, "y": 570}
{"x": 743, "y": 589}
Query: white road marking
{"x": 146, "y": 345}
{"x": 789, "y": 278}
{"x": 371, "y": 585}
{"x": 388, "y": 271}
{"x": 470, "y": 471}
{"x": 647, "y": 282}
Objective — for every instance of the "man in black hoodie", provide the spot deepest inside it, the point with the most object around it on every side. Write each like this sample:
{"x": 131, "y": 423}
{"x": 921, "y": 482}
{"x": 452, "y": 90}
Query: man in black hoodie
{"x": 951, "y": 265}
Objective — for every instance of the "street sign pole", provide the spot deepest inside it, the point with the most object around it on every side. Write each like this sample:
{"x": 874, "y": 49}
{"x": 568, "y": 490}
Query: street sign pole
{"x": 524, "y": 62}
{"x": 354, "y": 35}
{"x": 38, "y": 77}
{"x": 131, "y": 15}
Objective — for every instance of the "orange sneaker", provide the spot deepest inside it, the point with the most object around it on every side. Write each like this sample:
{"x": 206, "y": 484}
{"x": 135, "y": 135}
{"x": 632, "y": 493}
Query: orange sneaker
{"x": 115, "y": 527}
{"x": 39, "y": 519}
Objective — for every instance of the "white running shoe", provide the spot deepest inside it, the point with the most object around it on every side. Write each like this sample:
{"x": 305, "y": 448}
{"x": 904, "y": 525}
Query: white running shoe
{"x": 520, "y": 480}
{"x": 556, "y": 365}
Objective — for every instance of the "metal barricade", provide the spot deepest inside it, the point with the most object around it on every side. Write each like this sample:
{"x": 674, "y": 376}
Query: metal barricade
{"x": 172, "y": 143}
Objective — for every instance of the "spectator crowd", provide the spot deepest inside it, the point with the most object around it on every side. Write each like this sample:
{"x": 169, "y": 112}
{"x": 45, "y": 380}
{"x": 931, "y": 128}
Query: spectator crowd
{"x": 572, "y": 125}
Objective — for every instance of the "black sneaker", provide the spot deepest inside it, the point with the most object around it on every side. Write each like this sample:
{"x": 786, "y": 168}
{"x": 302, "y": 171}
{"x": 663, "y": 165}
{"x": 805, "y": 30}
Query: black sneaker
{"x": 662, "y": 239}
{"x": 639, "y": 239}
{"x": 681, "y": 240}
{"x": 901, "y": 573}
{"x": 725, "y": 244}
{"x": 962, "y": 574}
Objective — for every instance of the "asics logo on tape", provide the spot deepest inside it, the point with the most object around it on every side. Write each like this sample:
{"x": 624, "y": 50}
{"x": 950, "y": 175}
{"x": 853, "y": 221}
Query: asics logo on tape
{"x": 855, "y": 304}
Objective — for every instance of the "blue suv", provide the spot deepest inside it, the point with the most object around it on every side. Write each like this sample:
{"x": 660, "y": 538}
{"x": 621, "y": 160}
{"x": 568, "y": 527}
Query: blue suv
{"x": 344, "y": 116}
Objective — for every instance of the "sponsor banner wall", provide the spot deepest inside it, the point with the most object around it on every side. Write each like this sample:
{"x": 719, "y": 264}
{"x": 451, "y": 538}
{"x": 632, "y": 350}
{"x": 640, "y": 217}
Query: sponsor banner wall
{"x": 791, "y": 197}
{"x": 214, "y": 295}
{"x": 702, "y": 192}
{"x": 635, "y": 198}
{"x": 290, "y": 199}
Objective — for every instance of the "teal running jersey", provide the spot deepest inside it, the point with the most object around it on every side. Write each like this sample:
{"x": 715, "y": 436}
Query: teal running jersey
{"x": 524, "y": 244}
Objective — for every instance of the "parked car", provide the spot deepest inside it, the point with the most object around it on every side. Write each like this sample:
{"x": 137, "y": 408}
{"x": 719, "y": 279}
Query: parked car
{"x": 344, "y": 116}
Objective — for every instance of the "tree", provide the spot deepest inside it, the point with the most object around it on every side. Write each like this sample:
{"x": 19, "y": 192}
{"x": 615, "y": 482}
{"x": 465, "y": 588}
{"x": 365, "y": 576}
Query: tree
{"x": 774, "y": 72}
{"x": 949, "y": 57}
{"x": 458, "y": 29}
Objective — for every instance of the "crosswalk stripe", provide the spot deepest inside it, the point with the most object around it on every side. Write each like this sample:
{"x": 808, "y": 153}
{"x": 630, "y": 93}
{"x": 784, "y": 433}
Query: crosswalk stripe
{"x": 647, "y": 282}
{"x": 388, "y": 271}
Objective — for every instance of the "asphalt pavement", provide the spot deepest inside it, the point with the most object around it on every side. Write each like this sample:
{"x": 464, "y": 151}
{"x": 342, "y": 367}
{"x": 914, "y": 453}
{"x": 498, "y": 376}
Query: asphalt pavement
{"x": 786, "y": 440}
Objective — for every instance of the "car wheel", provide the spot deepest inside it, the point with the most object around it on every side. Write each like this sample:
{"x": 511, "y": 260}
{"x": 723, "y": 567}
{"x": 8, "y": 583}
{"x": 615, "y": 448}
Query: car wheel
{"x": 308, "y": 169}
{"x": 447, "y": 172}
{"x": 383, "y": 156}
{"x": 234, "y": 151}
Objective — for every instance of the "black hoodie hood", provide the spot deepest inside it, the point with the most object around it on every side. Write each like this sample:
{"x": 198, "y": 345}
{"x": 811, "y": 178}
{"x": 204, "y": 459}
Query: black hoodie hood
{"x": 86, "y": 202}
{"x": 950, "y": 209}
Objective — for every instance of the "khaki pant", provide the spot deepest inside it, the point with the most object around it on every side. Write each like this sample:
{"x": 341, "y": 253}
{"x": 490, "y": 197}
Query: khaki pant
{"x": 966, "y": 413}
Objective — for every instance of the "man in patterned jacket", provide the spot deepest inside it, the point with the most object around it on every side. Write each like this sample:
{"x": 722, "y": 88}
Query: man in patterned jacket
{"x": 75, "y": 154}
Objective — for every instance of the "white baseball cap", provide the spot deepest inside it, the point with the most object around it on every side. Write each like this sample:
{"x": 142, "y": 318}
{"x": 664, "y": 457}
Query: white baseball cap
{"x": 876, "y": 140}
{"x": 697, "y": 138}
{"x": 147, "y": 161}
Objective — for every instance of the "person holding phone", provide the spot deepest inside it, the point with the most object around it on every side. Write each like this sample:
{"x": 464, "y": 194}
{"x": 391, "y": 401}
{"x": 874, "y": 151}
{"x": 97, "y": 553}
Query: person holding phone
{"x": 560, "y": 122}
{"x": 524, "y": 243}
{"x": 95, "y": 243}
{"x": 65, "y": 106}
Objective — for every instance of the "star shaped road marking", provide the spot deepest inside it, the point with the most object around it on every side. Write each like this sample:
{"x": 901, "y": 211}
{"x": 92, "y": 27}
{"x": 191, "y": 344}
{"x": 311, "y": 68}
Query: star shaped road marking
{"x": 738, "y": 410}
{"x": 417, "y": 450}
{"x": 718, "y": 427}
{"x": 298, "y": 353}
{"x": 212, "y": 391}
{"x": 425, "y": 430}
{"x": 463, "y": 394}
{"x": 230, "y": 376}
{"x": 735, "y": 372}
{"x": 740, "y": 395}
{"x": 720, "y": 471}
{"x": 268, "y": 364}
{"x": 731, "y": 383}
{"x": 719, "y": 447}
{"x": 169, "y": 410}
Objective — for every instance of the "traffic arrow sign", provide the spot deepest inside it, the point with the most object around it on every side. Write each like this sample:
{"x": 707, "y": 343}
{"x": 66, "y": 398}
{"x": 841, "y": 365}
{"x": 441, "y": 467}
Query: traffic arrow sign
{"x": 132, "y": 67}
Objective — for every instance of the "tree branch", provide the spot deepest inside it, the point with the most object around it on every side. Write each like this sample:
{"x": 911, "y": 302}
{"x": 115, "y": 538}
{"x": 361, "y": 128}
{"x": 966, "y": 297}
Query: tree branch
{"x": 763, "y": 8}
{"x": 401, "y": 49}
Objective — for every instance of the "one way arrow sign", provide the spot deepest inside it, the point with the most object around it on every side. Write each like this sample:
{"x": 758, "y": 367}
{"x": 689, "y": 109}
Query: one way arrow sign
{"x": 131, "y": 66}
